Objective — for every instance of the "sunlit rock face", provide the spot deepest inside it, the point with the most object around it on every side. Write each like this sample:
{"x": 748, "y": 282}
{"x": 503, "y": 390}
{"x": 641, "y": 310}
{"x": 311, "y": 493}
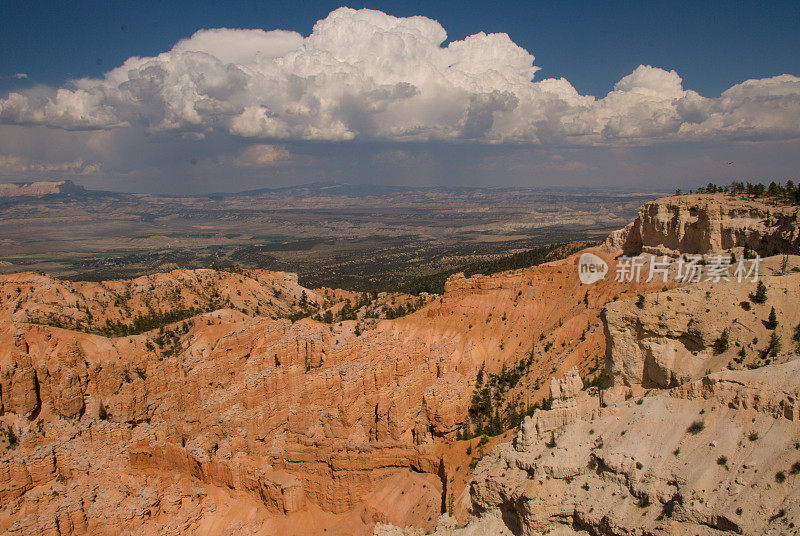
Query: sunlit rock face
{"x": 715, "y": 456}
{"x": 235, "y": 415}
{"x": 709, "y": 223}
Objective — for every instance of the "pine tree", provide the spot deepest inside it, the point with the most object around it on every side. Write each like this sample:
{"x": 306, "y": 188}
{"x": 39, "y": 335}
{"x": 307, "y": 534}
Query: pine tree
{"x": 772, "y": 321}
{"x": 760, "y": 295}
{"x": 722, "y": 343}
{"x": 775, "y": 345}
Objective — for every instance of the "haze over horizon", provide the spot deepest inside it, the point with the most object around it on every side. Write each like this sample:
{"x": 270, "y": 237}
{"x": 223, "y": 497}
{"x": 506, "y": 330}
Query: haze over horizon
{"x": 414, "y": 96}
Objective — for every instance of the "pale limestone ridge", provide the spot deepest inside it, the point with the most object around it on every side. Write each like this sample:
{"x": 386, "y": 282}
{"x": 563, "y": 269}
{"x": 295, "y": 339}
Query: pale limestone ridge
{"x": 716, "y": 456}
{"x": 38, "y": 188}
{"x": 670, "y": 339}
{"x": 709, "y": 223}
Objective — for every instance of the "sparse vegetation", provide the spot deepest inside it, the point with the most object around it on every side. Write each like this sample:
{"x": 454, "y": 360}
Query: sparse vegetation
{"x": 493, "y": 410}
{"x": 722, "y": 343}
{"x": 696, "y": 427}
{"x": 434, "y": 283}
{"x": 780, "y": 193}
{"x": 11, "y": 437}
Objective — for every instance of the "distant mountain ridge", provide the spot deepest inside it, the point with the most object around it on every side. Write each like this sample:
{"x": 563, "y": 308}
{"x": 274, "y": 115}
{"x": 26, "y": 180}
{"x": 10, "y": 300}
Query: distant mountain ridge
{"x": 66, "y": 187}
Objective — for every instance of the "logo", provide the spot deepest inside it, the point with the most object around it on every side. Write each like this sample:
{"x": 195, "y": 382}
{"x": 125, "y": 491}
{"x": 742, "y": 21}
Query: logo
{"x": 591, "y": 268}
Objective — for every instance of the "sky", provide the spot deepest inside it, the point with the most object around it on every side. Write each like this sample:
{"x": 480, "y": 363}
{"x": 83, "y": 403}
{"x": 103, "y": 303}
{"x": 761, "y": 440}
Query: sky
{"x": 180, "y": 97}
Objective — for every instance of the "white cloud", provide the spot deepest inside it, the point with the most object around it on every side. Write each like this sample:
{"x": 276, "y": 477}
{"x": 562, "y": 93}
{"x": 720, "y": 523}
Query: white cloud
{"x": 261, "y": 155}
{"x": 20, "y": 76}
{"x": 364, "y": 74}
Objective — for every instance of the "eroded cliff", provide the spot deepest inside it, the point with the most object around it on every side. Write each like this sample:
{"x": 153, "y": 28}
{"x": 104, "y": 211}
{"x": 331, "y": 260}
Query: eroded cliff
{"x": 709, "y": 223}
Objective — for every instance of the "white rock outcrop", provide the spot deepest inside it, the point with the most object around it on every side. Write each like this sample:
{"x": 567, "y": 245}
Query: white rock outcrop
{"x": 701, "y": 224}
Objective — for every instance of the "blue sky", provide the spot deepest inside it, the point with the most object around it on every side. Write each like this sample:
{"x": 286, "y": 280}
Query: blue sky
{"x": 392, "y": 113}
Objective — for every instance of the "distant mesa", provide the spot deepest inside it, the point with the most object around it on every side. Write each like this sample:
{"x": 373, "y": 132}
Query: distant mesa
{"x": 39, "y": 188}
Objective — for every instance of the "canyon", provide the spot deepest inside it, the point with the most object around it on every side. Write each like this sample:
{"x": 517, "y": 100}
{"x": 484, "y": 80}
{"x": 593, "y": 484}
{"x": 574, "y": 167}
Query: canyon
{"x": 221, "y": 401}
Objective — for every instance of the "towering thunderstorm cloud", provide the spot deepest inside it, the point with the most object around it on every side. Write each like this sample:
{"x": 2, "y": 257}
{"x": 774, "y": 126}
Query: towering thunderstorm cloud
{"x": 367, "y": 75}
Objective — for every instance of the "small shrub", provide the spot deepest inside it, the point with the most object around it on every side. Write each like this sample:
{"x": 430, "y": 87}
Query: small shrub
{"x": 795, "y": 468}
{"x": 753, "y": 436}
{"x": 696, "y": 427}
{"x": 745, "y": 305}
{"x": 723, "y": 461}
{"x": 780, "y": 477}
{"x": 640, "y": 302}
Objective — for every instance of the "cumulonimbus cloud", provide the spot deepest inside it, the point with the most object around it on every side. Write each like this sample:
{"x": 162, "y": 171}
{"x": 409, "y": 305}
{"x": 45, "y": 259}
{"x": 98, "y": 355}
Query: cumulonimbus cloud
{"x": 367, "y": 75}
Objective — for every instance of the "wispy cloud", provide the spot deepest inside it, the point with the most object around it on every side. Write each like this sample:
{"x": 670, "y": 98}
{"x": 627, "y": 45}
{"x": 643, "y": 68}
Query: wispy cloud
{"x": 16, "y": 165}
